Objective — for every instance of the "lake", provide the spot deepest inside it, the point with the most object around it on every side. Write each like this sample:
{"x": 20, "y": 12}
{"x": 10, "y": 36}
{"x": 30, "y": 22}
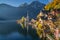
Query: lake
{"x": 15, "y": 36}
{"x": 9, "y": 31}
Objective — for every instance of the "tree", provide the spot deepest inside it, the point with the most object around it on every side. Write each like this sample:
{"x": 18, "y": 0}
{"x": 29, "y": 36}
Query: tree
{"x": 52, "y": 5}
{"x": 57, "y": 6}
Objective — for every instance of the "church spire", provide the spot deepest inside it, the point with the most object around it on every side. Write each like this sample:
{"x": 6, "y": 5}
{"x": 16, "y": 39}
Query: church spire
{"x": 27, "y": 21}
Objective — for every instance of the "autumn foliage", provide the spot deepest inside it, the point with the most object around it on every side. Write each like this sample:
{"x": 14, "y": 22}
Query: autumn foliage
{"x": 55, "y": 4}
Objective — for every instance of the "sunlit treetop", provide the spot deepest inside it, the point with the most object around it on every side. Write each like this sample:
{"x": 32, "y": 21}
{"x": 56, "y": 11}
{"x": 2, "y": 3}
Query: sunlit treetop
{"x": 57, "y": 6}
{"x": 53, "y": 5}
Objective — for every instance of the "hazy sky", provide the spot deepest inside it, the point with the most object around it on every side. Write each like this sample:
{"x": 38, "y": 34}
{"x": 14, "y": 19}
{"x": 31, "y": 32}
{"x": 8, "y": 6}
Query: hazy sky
{"x": 19, "y": 2}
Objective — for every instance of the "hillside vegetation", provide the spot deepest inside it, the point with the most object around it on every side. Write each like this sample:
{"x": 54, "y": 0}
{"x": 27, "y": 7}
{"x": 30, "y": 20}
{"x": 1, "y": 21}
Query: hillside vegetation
{"x": 55, "y": 4}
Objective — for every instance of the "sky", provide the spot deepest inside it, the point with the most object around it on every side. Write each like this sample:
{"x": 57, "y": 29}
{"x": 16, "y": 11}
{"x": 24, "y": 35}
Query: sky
{"x": 16, "y": 3}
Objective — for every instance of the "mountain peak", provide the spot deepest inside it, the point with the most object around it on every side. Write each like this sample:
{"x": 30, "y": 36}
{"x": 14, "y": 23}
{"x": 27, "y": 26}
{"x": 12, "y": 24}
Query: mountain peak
{"x": 24, "y": 4}
{"x": 36, "y": 2}
{"x": 5, "y": 5}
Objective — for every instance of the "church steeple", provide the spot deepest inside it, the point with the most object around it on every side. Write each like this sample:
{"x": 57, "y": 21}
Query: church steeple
{"x": 27, "y": 21}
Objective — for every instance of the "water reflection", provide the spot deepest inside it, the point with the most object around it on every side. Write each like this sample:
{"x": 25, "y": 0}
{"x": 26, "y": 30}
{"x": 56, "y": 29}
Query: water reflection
{"x": 15, "y": 36}
{"x": 8, "y": 31}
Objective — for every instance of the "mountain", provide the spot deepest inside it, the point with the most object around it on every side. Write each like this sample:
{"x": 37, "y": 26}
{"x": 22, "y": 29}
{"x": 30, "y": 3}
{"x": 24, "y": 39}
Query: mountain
{"x": 7, "y": 11}
{"x": 34, "y": 8}
{"x": 12, "y": 13}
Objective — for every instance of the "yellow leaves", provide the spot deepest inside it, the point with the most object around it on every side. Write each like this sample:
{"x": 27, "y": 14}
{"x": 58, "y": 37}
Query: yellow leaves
{"x": 39, "y": 25}
{"x": 57, "y": 6}
{"x": 52, "y": 5}
{"x": 21, "y": 21}
{"x": 39, "y": 32}
{"x": 57, "y": 1}
{"x": 22, "y": 25}
{"x": 39, "y": 28}
{"x": 47, "y": 7}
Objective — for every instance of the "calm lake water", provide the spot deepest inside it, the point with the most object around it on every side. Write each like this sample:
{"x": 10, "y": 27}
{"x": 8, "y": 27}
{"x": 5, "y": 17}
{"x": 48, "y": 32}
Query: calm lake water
{"x": 15, "y": 36}
{"x": 9, "y": 31}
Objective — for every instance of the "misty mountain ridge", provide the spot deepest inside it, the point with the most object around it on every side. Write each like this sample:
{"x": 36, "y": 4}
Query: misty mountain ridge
{"x": 9, "y": 12}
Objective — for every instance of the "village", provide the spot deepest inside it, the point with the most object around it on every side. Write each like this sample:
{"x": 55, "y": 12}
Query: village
{"x": 46, "y": 25}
